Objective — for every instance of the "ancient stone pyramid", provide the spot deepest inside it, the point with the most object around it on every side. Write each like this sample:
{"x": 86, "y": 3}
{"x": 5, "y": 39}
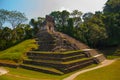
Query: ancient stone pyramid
{"x": 59, "y": 53}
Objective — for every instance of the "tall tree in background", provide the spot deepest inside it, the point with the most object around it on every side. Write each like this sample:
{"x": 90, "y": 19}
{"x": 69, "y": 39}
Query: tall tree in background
{"x": 5, "y": 38}
{"x": 70, "y": 27}
{"x": 28, "y": 31}
{"x": 87, "y": 16}
{"x": 8, "y": 36}
{"x": 64, "y": 17}
{"x": 112, "y": 21}
{"x": 57, "y": 17}
{"x": 16, "y": 18}
{"x": 76, "y": 15}
{"x": 112, "y": 6}
{"x": 3, "y": 17}
{"x": 36, "y": 24}
{"x": 93, "y": 30}
{"x": 61, "y": 19}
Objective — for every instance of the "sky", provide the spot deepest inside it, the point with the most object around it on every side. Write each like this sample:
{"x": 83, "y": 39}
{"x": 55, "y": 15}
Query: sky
{"x": 36, "y": 8}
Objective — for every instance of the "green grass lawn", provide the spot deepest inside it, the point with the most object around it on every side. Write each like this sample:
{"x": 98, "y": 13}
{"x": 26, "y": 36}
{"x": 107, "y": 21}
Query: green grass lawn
{"x": 16, "y": 52}
{"x": 30, "y": 74}
{"x": 111, "y": 72}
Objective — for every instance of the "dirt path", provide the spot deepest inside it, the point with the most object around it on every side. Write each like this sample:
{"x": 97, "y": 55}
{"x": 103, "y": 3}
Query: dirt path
{"x": 104, "y": 63}
{"x": 3, "y": 71}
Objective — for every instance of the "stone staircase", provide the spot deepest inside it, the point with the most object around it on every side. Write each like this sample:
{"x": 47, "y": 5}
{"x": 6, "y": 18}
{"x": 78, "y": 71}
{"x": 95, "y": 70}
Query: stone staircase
{"x": 59, "y": 62}
{"x": 59, "y": 54}
{"x": 58, "y": 41}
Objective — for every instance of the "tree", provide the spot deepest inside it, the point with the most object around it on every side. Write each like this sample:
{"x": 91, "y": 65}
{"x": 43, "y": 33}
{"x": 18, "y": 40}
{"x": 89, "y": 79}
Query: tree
{"x": 3, "y": 17}
{"x": 36, "y": 24}
{"x": 57, "y": 17}
{"x": 64, "y": 16}
{"x": 76, "y": 15}
{"x": 6, "y": 34}
{"x": 20, "y": 32}
{"x": 93, "y": 30}
{"x": 112, "y": 14}
{"x": 15, "y": 18}
{"x": 5, "y": 38}
{"x": 70, "y": 28}
{"x": 112, "y": 6}
{"x": 60, "y": 19}
{"x": 87, "y": 16}
{"x": 28, "y": 32}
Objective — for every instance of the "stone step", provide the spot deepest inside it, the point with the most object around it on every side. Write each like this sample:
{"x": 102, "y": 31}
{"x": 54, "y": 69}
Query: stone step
{"x": 57, "y": 64}
{"x": 64, "y": 59}
{"x": 78, "y": 66}
{"x": 54, "y": 54}
{"x": 42, "y": 69}
{"x": 46, "y": 42}
{"x": 64, "y": 67}
{"x": 90, "y": 52}
{"x": 99, "y": 58}
{"x": 54, "y": 62}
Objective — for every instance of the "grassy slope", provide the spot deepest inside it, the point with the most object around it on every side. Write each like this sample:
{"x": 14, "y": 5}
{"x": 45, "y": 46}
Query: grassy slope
{"x": 111, "y": 72}
{"x": 16, "y": 52}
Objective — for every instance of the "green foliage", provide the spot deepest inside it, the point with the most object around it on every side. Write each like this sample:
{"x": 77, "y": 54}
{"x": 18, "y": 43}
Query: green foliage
{"x": 112, "y": 14}
{"x": 70, "y": 27}
{"x": 91, "y": 31}
{"x": 13, "y": 17}
{"x": 111, "y": 52}
{"x": 112, "y": 6}
{"x": 87, "y": 16}
{"x": 36, "y": 24}
{"x": 10, "y": 37}
{"x": 76, "y": 15}
{"x": 3, "y": 17}
{"x": 5, "y": 37}
{"x": 57, "y": 17}
{"x": 16, "y": 52}
{"x": 94, "y": 30}
{"x": 60, "y": 19}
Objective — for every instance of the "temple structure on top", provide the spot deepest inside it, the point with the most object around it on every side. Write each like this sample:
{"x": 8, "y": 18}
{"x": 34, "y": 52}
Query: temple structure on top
{"x": 48, "y": 25}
